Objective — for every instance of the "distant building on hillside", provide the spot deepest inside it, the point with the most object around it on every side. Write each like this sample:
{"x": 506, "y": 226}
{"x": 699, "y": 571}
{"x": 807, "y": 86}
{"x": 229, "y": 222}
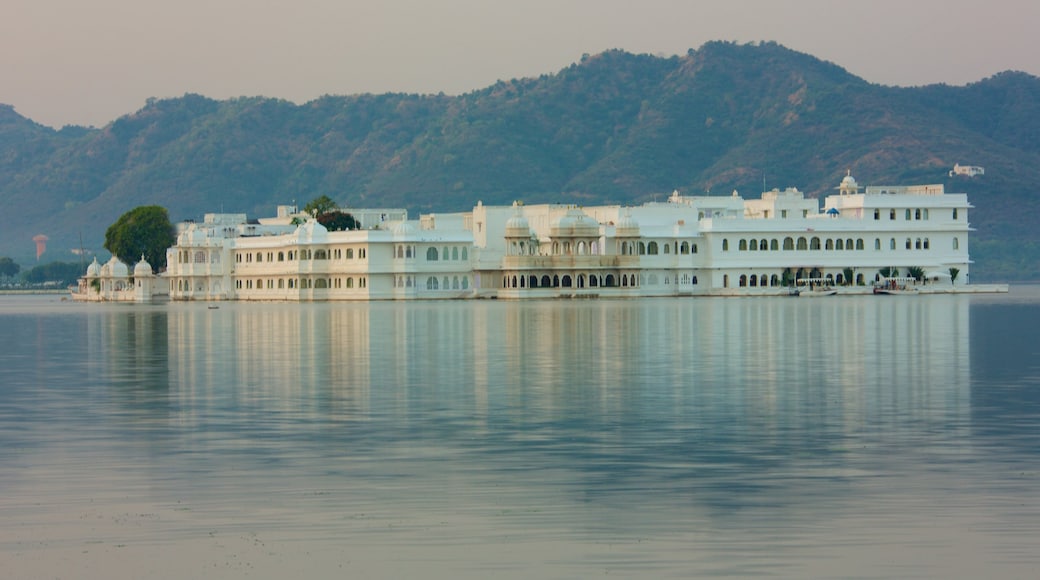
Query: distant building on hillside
{"x": 967, "y": 170}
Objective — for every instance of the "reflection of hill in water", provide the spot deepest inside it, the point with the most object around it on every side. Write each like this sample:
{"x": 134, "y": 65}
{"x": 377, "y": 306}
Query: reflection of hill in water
{"x": 1005, "y": 362}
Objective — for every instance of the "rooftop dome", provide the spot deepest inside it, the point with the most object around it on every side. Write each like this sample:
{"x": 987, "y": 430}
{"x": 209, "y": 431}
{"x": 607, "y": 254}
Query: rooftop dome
{"x": 575, "y": 223}
{"x": 94, "y": 269}
{"x": 115, "y": 268}
{"x": 143, "y": 268}
{"x": 517, "y": 226}
{"x": 848, "y": 184}
{"x": 626, "y": 226}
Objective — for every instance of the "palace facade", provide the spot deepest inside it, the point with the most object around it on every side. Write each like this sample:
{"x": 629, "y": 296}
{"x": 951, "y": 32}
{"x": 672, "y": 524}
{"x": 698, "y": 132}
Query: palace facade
{"x": 686, "y": 245}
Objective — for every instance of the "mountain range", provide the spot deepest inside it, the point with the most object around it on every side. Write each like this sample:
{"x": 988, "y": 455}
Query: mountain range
{"x": 614, "y": 127}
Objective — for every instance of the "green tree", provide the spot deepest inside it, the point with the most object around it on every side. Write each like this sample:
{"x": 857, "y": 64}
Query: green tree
{"x": 954, "y": 272}
{"x": 143, "y": 231}
{"x": 8, "y": 267}
{"x": 848, "y": 274}
{"x": 336, "y": 221}
{"x": 915, "y": 272}
{"x": 320, "y": 206}
{"x": 63, "y": 273}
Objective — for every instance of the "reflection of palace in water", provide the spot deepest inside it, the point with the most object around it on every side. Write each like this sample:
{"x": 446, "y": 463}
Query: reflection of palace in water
{"x": 851, "y": 359}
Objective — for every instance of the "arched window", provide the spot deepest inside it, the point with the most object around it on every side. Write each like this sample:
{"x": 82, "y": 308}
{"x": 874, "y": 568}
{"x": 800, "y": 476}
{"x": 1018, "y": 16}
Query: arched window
{"x": 684, "y": 248}
{"x": 892, "y": 244}
{"x": 907, "y": 214}
{"x": 802, "y": 244}
{"x": 741, "y": 246}
{"x": 546, "y": 282}
{"x": 350, "y": 282}
{"x": 877, "y": 214}
{"x": 725, "y": 245}
{"x": 465, "y": 253}
{"x": 877, "y": 243}
{"x": 743, "y": 280}
{"x": 788, "y": 243}
{"x": 917, "y": 244}
{"x": 954, "y": 213}
{"x": 773, "y": 245}
{"x": 917, "y": 214}
{"x": 956, "y": 244}
{"x": 642, "y": 248}
{"x": 829, "y": 245}
{"x": 763, "y": 245}
{"x": 908, "y": 241}
{"x": 926, "y": 243}
{"x": 892, "y": 214}
{"x": 753, "y": 281}
{"x": 431, "y": 282}
{"x": 754, "y": 246}
{"x": 814, "y": 244}
{"x": 455, "y": 253}
{"x": 859, "y": 243}
{"x": 431, "y": 255}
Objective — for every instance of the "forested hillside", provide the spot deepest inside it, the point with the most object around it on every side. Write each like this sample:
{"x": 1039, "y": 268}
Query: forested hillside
{"x": 614, "y": 127}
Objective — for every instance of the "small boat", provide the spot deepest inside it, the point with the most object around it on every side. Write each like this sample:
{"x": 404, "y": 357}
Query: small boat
{"x": 813, "y": 287}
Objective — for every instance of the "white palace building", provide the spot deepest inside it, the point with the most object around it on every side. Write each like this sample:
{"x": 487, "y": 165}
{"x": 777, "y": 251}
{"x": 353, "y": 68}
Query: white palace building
{"x": 685, "y": 246}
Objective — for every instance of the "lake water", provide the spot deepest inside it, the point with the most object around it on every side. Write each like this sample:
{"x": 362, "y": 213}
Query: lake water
{"x": 858, "y": 436}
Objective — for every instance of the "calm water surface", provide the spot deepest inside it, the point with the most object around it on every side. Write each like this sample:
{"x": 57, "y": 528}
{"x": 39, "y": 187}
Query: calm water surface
{"x": 860, "y": 436}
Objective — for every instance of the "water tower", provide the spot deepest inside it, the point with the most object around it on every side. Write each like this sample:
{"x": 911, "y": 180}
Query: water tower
{"x": 41, "y": 245}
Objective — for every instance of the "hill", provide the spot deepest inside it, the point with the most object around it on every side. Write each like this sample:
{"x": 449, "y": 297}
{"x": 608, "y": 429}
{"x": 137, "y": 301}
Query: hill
{"x": 614, "y": 127}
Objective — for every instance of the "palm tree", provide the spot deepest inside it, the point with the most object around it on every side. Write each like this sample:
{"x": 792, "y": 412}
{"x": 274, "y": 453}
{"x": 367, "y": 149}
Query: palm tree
{"x": 953, "y": 274}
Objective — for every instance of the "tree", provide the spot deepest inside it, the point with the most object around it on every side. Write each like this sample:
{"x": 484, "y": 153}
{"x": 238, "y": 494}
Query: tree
{"x": 336, "y": 221}
{"x": 8, "y": 267}
{"x": 915, "y": 272}
{"x": 63, "y": 273}
{"x": 848, "y": 275}
{"x": 143, "y": 231}
{"x": 953, "y": 274}
{"x": 320, "y": 206}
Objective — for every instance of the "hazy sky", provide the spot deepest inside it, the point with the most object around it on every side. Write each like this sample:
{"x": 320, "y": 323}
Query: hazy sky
{"x": 89, "y": 62}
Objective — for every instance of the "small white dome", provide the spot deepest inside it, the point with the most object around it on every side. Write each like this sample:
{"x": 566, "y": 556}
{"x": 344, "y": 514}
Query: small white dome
{"x": 115, "y": 268}
{"x": 627, "y": 226}
{"x": 311, "y": 230}
{"x": 94, "y": 269}
{"x": 143, "y": 268}
{"x": 575, "y": 223}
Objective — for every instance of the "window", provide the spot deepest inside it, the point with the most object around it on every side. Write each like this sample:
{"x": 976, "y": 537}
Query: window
{"x": 788, "y": 243}
{"x": 725, "y": 245}
{"x": 783, "y": 213}
{"x": 877, "y": 243}
{"x": 651, "y": 248}
{"x": 839, "y": 245}
{"x": 773, "y": 245}
{"x": 891, "y": 214}
{"x": 917, "y": 214}
{"x": 877, "y": 214}
{"x": 431, "y": 255}
{"x": 814, "y": 244}
{"x": 908, "y": 243}
{"x": 892, "y": 244}
{"x": 859, "y": 243}
{"x": 802, "y": 244}
{"x": 954, "y": 213}
{"x": 956, "y": 242}
{"x": 829, "y": 245}
{"x": 908, "y": 214}
{"x": 741, "y": 246}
